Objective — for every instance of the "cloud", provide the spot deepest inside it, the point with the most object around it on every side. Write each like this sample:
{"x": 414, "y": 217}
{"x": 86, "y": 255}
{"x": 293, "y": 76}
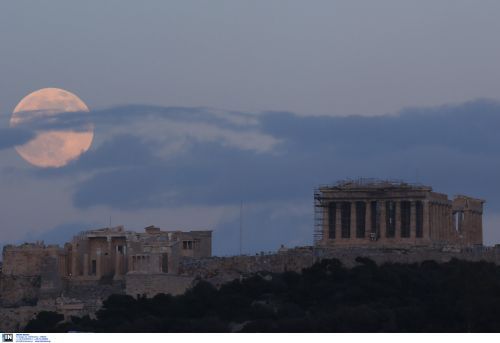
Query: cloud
{"x": 207, "y": 173}
{"x": 157, "y": 131}
{"x": 120, "y": 115}
{"x": 154, "y": 158}
{"x": 469, "y": 127}
{"x": 10, "y": 137}
{"x": 448, "y": 147}
{"x": 60, "y": 234}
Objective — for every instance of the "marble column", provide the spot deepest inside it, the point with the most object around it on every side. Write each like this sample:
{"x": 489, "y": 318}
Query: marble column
{"x": 108, "y": 257}
{"x": 479, "y": 226}
{"x": 118, "y": 256}
{"x": 441, "y": 221}
{"x": 438, "y": 222}
{"x": 382, "y": 220}
{"x": 426, "y": 220}
{"x": 368, "y": 219}
{"x": 338, "y": 221}
{"x": 327, "y": 221}
{"x": 73, "y": 260}
{"x": 435, "y": 216}
{"x": 436, "y": 227}
{"x": 397, "y": 219}
{"x": 454, "y": 221}
{"x": 413, "y": 220}
{"x": 434, "y": 223}
{"x": 450, "y": 218}
{"x": 98, "y": 263}
{"x": 353, "y": 220}
{"x": 85, "y": 264}
{"x": 125, "y": 260}
{"x": 446, "y": 220}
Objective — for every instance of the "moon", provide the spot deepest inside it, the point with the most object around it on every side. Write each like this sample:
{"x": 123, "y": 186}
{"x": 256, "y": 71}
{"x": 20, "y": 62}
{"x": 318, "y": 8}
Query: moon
{"x": 52, "y": 147}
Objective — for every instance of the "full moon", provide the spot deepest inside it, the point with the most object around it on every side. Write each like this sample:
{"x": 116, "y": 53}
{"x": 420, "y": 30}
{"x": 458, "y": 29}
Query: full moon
{"x": 52, "y": 147}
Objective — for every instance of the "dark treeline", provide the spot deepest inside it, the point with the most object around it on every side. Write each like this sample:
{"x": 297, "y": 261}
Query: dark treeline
{"x": 457, "y": 296}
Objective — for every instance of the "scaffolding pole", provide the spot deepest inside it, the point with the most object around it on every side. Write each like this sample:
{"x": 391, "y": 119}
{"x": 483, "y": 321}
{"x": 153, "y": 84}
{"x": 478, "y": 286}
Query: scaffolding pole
{"x": 319, "y": 215}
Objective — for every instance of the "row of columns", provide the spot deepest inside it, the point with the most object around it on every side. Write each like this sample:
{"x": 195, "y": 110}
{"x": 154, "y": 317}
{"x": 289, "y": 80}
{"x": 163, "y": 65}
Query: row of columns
{"x": 141, "y": 263}
{"x": 381, "y": 229}
{"x": 473, "y": 222}
{"x": 94, "y": 265}
{"x": 468, "y": 224}
{"x": 441, "y": 223}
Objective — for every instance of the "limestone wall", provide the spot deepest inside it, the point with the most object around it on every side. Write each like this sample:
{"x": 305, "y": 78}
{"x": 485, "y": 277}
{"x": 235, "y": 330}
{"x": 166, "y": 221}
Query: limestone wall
{"x": 26, "y": 259}
{"x": 87, "y": 295}
{"x": 219, "y": 270}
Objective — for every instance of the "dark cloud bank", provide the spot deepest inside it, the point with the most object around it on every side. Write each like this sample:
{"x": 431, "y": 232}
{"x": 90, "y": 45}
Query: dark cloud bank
{"x": 455, "y": 149}
{"x": 10, "y": 137}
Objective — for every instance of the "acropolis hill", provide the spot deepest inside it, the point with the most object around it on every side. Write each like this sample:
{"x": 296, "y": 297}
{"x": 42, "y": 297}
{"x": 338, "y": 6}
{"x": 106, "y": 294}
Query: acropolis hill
{"x": 385, "y": 221}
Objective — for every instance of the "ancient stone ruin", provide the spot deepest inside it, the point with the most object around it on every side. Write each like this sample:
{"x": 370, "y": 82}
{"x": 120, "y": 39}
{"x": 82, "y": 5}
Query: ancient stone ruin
{"x": 382, "y": 220}
{"x": 74, "y": 279}
{"x": 394, "y": 214}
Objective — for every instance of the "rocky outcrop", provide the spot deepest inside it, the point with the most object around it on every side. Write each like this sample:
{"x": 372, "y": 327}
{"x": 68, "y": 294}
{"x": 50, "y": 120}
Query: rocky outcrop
{"x": 18, "y": 291}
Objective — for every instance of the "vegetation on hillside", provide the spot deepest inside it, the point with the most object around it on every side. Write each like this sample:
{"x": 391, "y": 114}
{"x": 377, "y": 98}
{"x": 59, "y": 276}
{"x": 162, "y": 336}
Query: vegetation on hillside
{"x": 457, "y": 296}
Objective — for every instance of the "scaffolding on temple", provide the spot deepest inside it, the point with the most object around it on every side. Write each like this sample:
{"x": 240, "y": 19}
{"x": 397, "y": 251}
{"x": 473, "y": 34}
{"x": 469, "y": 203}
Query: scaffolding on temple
{"x": 319, "y": 206}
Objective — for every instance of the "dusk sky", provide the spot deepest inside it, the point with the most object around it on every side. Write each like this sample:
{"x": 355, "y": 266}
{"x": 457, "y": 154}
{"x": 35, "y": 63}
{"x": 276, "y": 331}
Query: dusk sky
{"x": 199, "y": 105}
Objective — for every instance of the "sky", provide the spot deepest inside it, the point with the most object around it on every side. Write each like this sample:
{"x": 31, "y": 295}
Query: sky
{"x": 199, "y": 106}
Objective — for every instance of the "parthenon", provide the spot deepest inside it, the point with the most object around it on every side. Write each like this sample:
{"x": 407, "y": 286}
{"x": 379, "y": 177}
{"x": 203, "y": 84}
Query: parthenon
{"x": 387, "y": 213}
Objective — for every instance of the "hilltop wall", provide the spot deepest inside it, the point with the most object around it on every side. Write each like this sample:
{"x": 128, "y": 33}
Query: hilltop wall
{"x": 76, "y": 297}
{"x": 27, "y": 259}
{"x": 219, "y": 270}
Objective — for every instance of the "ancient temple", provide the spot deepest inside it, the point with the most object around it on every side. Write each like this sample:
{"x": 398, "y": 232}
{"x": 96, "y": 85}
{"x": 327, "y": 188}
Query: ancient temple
{"x": 109, "y": 253}
{"x": 387, "y": 213}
